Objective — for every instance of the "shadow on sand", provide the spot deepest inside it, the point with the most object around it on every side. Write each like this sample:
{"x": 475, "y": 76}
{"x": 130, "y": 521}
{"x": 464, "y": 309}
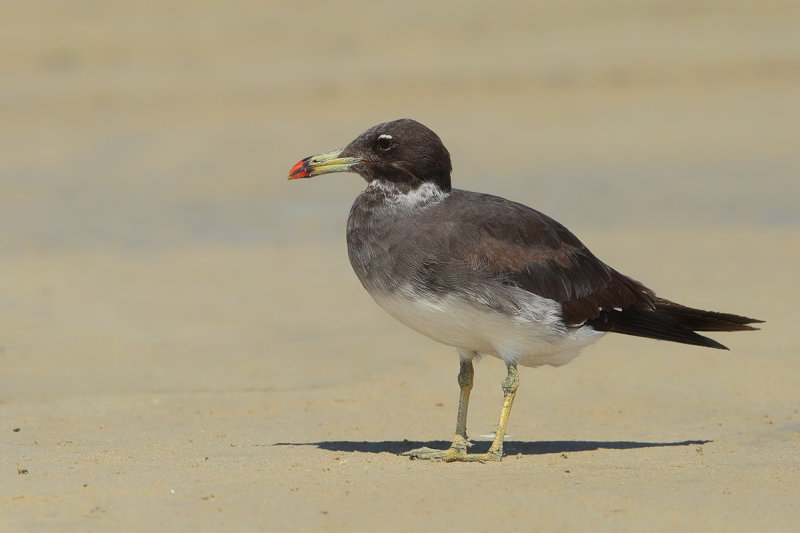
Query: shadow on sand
{"x": 509, "y": 448}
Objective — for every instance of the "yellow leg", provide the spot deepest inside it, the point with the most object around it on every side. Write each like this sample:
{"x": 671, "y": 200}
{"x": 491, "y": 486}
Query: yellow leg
{"x": 458, "y": 449}
{"x": 465, "y": 375}
{"x": 510, "y": 385}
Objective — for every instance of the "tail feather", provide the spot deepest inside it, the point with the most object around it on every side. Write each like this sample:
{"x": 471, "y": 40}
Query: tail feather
{"x": 671, "y": 322}
{"x": 699, "y": 320}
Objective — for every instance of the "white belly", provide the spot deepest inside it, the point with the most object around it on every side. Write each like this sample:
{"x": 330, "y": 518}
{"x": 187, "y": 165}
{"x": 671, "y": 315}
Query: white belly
{"x": 534, "y": 337}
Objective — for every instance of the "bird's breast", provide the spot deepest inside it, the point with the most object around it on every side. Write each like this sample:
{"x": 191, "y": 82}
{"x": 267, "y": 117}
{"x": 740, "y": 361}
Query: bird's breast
{"x": 389, "y": 235}
{"x": 376, "y": 244}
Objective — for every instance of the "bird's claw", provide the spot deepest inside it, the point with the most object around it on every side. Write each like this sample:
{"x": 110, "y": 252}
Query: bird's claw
{"x": 452, "y": 455}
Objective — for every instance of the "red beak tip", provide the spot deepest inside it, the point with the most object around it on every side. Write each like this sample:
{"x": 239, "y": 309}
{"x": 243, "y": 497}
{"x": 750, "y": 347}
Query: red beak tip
{"x": 298, "y": 171}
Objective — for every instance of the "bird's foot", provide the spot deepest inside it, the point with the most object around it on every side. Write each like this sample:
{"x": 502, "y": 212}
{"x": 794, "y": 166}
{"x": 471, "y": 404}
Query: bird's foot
{"x": 457, "y": 452}
{"x": 451, "y": 456}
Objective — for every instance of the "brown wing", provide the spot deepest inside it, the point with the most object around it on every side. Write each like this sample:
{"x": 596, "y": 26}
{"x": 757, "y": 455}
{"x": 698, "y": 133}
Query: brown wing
{"x": 524, "y": 247}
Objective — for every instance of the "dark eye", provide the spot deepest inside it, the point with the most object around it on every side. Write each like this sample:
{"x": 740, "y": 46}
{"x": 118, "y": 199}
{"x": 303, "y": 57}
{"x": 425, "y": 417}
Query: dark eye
{"x": 384, "y": 142}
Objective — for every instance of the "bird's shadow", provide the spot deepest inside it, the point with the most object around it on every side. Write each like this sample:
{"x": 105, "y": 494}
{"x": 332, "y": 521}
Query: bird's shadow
{"x": 509, "y": 447}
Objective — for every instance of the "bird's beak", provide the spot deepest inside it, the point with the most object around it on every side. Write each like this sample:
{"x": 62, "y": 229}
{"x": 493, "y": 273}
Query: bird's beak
{"x": 323, "y": 164}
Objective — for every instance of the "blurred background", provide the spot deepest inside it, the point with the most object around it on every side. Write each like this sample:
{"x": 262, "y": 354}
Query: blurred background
{"x": 130, "y": 124}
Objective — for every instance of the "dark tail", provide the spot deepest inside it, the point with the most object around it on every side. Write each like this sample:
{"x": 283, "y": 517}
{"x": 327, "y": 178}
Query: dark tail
{"x": 672, "y": 322}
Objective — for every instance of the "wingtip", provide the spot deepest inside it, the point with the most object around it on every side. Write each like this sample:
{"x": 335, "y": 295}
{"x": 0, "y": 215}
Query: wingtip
{"x": 711, "y": 343}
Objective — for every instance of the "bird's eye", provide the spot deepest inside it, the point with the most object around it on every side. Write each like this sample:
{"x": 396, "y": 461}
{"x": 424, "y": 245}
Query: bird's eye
{"x": 384, "y": 142}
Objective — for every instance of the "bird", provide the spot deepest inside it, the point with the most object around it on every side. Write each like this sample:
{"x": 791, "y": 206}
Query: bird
{"x": 486, "y": 275}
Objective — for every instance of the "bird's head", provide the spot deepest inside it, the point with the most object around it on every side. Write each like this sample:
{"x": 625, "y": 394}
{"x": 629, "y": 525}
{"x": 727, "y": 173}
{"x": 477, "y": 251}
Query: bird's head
{"x": 402, "y": 151}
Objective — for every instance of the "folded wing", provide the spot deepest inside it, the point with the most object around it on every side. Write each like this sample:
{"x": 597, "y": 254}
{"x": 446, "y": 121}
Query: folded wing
{"x": 537, "y": 254}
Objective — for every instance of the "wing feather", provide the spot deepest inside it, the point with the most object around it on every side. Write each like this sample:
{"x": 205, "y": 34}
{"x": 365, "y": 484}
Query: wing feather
{"x": 522, "y": 246}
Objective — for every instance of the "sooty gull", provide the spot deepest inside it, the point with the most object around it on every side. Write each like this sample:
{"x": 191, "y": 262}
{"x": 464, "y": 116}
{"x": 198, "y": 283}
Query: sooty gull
{"x": 484, "y": 274}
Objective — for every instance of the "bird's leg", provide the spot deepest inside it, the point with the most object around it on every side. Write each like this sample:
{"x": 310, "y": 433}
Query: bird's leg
{"x": 510, "y": 385}
{"x": 459, "y": 446}
{"x": 465, "y": 375}
{"x": 458, "y": 450}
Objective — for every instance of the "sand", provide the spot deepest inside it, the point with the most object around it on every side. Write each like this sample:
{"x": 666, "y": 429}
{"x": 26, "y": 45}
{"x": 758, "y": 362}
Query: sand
{"x": 184, "y": 347}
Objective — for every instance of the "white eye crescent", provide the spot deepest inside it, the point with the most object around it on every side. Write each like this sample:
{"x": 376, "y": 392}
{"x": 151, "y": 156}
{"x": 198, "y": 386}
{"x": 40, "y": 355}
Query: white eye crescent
{"x": 384, "y": 141}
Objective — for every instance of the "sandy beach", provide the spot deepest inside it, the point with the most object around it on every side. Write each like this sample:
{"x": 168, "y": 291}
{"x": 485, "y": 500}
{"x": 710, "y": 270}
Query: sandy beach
{"x": 184, "y": 347}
